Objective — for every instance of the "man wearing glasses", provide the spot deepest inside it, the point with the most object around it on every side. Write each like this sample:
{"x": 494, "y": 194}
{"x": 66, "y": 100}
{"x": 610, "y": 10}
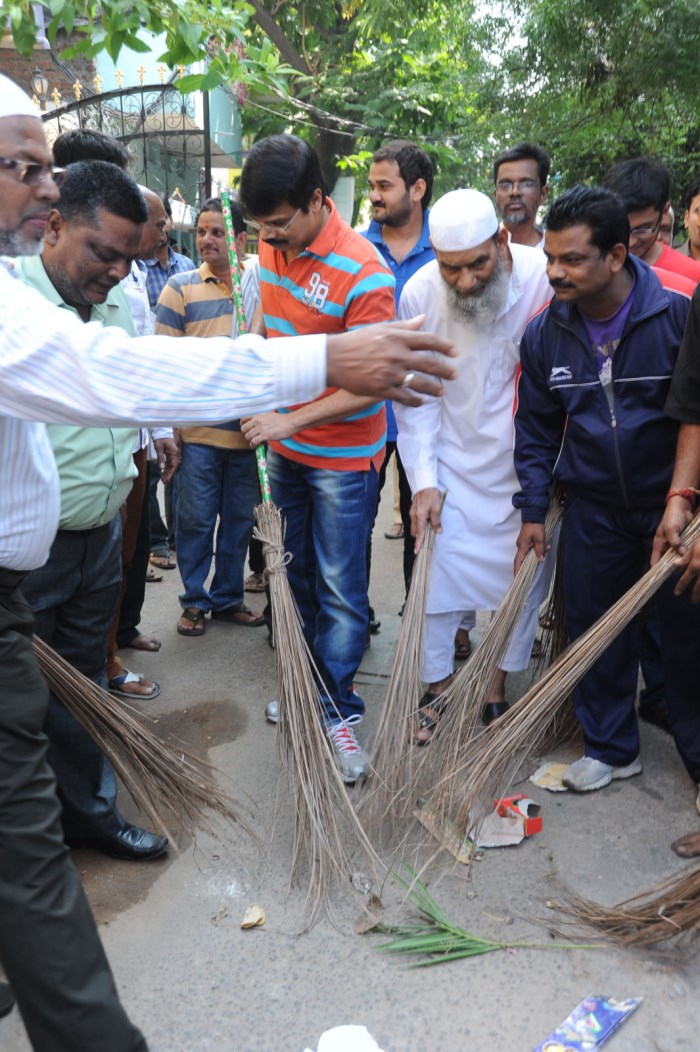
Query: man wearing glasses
{"x": 520, "y": 176}
{"x": 318, "y": 275}
{"x": 644, "y": 186}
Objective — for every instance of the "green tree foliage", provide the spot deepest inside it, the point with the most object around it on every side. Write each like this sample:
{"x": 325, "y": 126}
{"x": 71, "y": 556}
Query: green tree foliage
{"x": 371, "y": 70}
{"x": 597, "y": 81}
{"x": 214, "y": 31}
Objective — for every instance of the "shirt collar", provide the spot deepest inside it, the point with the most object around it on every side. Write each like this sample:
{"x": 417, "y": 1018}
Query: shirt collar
{"x": 207, "y": 274}
{"x": 323, "y": 243}
{"x": 375, "y": 235}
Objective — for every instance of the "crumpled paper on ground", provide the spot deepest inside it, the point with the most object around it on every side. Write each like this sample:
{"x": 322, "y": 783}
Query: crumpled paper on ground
{"x": 346, "y": 1039}
{"x": 548, "y": 776}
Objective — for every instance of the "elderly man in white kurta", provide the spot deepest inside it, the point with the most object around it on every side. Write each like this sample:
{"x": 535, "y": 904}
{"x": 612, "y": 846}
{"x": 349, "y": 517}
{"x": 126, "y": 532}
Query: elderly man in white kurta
{"x": 479, "y": 292}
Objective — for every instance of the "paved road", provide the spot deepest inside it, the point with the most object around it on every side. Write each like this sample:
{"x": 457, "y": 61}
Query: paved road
{"x": 196, "y": 982}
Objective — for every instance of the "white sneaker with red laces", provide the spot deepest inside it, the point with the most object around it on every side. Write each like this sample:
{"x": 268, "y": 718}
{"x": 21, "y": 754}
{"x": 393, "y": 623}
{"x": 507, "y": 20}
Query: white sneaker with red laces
{"x": 353, "y": 761}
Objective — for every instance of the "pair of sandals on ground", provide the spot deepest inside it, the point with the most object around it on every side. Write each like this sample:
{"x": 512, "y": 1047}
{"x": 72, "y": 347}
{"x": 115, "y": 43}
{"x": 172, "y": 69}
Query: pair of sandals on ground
{"x": 193, "y": 620}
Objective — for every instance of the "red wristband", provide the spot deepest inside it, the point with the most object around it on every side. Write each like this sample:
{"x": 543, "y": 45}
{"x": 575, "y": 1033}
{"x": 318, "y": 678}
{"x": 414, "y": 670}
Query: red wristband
{"x": 688, "y": 494}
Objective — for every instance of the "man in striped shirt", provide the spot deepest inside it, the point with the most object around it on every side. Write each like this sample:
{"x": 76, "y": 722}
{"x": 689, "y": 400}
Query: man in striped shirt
{"x": 318, "y": 275}
{"x": 218, "y": 478}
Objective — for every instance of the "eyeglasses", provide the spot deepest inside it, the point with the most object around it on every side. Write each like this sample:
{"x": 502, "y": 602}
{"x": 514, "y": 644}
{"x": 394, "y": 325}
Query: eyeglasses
{"x": 32, "y": 174}
{"x": 275, "y": 227}
{"x": 646, "y": 229}
{"x": 506, "y": 185}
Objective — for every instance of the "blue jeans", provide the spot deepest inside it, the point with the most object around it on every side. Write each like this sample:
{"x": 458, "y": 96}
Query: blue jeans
{"x": 213, "y": 483}
{"x": 329, "y": 516}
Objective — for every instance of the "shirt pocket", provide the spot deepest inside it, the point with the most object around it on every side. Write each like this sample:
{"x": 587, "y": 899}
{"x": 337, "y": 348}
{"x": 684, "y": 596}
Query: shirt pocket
{"x": 503, "y": 359}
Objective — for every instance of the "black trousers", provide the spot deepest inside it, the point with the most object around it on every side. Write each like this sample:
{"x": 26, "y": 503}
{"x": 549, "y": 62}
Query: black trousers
{"x": 49, "y": 946}
{"x": 604, "y": 552}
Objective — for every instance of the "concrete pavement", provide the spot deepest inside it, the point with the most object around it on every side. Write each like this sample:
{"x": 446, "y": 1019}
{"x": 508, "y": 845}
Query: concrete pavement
{"x": 195, "y": 982}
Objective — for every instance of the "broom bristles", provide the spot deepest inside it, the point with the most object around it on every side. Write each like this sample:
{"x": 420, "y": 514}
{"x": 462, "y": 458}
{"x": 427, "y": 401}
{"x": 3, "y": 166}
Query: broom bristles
{"x": 161, "y": 779}
{"x": 490, "y": 761}
{"x": 466, "y": 695}
{"x": 322, "y": 809}
{"x": 393, "y": 755}
{"x": 668, "y": 912}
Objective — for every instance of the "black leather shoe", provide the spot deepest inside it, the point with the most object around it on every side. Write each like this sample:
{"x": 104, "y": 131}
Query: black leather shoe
{"x": 493, "y": 710}
{"x": 7, "y": 1001}
{"x": 130, "y": 844}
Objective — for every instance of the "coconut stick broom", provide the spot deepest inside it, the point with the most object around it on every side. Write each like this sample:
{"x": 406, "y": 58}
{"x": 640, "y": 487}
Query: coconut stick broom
{"x": 392, "y": 754}
{"x": 463, "y": 700}
{"x": 668, "y": 912}
{"x": 162, "y": 780}
{"x": 322, "y": 809}
{"x": 491, "y": 760}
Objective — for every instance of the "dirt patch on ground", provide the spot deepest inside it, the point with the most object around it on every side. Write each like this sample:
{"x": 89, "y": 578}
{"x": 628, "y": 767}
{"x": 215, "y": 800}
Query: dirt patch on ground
{"x": 113, "y": 886}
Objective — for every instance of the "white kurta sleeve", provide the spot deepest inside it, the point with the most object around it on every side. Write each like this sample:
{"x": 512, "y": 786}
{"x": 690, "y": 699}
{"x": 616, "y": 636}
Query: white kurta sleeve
{"x": 419, "y": 427}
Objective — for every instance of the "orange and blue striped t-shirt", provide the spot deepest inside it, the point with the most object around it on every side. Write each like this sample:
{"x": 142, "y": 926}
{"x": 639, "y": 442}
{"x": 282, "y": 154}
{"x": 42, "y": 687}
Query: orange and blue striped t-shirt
{"x": 338, "y": 282}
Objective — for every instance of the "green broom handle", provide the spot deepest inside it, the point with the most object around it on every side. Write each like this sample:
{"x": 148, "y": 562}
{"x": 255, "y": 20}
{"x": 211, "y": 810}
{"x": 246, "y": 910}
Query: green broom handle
{"x": 263, "y": 477}
{"x": 260, "y": 459}
{"x": 233, "y": 264}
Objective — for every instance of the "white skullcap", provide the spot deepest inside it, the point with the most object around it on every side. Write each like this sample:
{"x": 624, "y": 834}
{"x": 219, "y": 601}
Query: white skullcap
{"x": 462, "y": 220}
{"x": 13, "y": 101}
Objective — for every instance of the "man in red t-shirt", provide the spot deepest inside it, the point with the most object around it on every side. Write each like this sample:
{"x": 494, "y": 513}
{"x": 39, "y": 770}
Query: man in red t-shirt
{"x": 645, "y": 188}
{"x": 318, "y": 276}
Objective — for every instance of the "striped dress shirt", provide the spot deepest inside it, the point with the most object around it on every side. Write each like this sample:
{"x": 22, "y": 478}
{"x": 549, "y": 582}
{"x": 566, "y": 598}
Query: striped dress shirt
{"x": 55, "y": 368}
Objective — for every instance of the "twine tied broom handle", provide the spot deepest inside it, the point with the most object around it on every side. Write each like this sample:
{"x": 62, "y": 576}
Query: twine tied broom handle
{"x": 242, "y": 325}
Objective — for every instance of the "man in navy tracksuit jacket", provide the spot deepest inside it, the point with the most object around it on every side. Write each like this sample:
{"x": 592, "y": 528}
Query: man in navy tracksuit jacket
{"x": 596, "y": 368}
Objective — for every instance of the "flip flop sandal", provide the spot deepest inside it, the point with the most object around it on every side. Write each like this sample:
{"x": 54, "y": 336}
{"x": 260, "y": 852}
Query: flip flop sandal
{"x": 232, "y": 614}
{"x": 116, "y": 683}
{"x": 428, "y": 703}
{"x": 152, "y": 577}
{"x": 163, "y": 562}
{"x": 254, "y": 583}
{"x": 196, "y": 617}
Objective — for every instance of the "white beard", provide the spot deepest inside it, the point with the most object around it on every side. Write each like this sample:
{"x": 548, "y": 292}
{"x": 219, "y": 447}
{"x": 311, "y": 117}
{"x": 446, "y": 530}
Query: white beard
{"x": 13, "y": 243}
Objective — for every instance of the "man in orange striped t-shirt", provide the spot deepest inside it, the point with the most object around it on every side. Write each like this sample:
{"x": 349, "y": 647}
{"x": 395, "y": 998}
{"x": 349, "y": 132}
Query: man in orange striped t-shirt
{"x": 318, "y": 276}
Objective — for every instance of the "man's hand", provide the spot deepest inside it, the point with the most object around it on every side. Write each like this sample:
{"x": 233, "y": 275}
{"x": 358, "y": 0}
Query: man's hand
{"x": 668, "y": 535}
{"x": 266, "y": 427}
{"x": 426, "y": 507}
{"x": 531, "y": 536}
{"x": 377, "y": 359}
{"x": 169, "y": 456}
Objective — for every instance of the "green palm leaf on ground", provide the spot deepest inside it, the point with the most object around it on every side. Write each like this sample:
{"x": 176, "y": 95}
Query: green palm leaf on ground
{"x": 437, "y": 939}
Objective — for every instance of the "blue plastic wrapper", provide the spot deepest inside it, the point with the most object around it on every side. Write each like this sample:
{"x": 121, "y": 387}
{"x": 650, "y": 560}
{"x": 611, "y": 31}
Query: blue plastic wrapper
{"x": 590, "y": 1025}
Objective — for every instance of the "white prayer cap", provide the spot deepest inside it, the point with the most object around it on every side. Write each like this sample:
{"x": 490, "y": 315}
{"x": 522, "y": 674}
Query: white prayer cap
{"x": 462, "y": 220}
{"x": 13, "y": 101}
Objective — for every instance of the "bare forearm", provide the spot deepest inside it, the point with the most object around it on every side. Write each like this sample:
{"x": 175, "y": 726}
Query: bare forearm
{"x": 336, "y": 406}
{"x": 686, "y": 472}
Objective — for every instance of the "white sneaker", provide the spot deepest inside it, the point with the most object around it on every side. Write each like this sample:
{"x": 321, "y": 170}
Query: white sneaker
{"x": 353, "y": 761}
{"x": 588, "y": 773}
{"x": 272, "y": 711}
